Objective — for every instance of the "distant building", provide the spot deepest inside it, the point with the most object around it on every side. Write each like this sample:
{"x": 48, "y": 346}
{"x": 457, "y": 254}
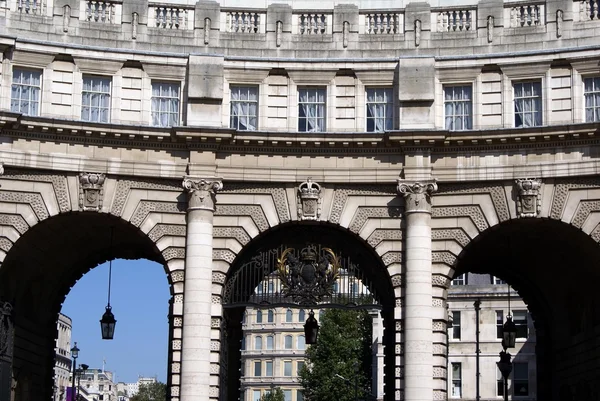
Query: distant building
{"x": 127, "y": 390}
{"x": 62, "y": 364}
{"x": 97, "y": 385}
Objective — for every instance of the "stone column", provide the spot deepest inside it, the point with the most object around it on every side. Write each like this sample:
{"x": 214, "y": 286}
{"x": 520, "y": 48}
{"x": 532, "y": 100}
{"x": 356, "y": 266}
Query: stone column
{"x": 418, "y": 336}
{"x": 196, "y": 339}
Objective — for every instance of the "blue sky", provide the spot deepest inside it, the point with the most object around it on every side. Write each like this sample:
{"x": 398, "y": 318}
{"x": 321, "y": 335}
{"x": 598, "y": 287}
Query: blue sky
{"x": 140, "y": 300}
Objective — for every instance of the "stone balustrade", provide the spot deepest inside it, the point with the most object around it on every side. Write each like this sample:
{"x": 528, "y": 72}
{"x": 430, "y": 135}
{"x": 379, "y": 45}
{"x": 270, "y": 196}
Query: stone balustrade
{"x": 525, "y": 14}
{"x": 169, "y": 17}
{"x": 32, "y": 7}
{"x": 381, "y": 23}
{"x": 313, "y": 23}
{"x": 455, "y": 20}
{"x": 105, "y": 12}
{"x": 243, "y": 22}
{"x": 588, "y": 9}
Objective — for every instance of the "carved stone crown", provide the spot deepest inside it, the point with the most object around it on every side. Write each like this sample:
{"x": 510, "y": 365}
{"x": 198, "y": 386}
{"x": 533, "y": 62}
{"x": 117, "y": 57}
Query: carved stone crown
{"x": 308, "y": 254}
{"x": 528, "y": 186}
{"x": 309, "y": 190}
{"x": 91, "y": 180}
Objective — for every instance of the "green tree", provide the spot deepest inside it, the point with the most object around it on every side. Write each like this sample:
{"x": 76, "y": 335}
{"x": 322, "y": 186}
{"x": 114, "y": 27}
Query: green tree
{"x": 343, "y": 349}
{"x": 151, "y": 392}
{"x": 276, "y": 394}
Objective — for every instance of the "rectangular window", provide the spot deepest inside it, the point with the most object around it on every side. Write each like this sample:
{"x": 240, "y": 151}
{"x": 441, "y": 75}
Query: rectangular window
{"x": 299, "y": 367}
{"x": 256, "y": 395}
{"x": 287, "y": 395}
{"x": 520, "y": 379}
{"x": 269, "y": 368}
{"x": 528, "y": 103}
{"x": 456, "y": 380}
{"x": 25, "y": 92}
{"x": 591, "y": 88}
{"x": 311, "y": 109}
{"x": 299, "y": 395}
{"x": 520, "y": 320}
{"x": 497, "y": 281}
{"x": 165, "y": 104}
{"x": 95, "y": 99}
{"x": 456, "y": 325}
{"x": 257, "y": 369}
{"x": 287, "y": 368}
{"x": 460, "y": 280}
{"x": 499, "y": 383}
{"x": 380, "y": 109}
{"x": 499, "y": 323}
{"x": 244, "y": 108}
{"x": 101, "y": 387}
{"x": 458, "y": 107}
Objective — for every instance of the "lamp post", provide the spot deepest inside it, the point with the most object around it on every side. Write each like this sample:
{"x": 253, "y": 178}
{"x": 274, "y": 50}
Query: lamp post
{"x": 75, "y": 355}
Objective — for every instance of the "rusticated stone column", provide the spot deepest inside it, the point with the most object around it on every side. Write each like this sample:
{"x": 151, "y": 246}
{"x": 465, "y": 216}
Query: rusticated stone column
{"x": 418, "y": 336}
{"x": 195, "y": 351}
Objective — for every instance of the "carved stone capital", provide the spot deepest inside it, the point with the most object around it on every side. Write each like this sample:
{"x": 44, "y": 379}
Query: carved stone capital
{"x": 91, "y": 191}
{"x": 529, "y": 200}
{"x": 417, "y": 195}
{"x": 202, "y": 192}
{"x": 309, "y": 200}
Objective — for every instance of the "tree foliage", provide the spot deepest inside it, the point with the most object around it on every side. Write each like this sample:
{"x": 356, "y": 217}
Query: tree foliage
{"x": 151, "y": 392}
{"x": 276, "y": 394}
{"x": 343, "y": 348}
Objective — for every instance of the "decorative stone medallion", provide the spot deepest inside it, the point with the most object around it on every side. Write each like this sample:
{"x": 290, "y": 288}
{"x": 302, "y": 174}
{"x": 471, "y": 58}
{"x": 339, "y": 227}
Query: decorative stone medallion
{"x": 91, "y": 191}
{"x": 309, "y": 200}
{"x": 529, "y": 201}
{"x": 307, "y": 276}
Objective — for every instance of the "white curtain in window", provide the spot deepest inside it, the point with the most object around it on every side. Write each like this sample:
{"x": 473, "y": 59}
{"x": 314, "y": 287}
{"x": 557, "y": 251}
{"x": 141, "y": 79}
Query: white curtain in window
{"x": 449, "y": 108}
{"x": 375, "y": 110}
{"x": 156, "y": 89}
{"x": 313, "y": 113}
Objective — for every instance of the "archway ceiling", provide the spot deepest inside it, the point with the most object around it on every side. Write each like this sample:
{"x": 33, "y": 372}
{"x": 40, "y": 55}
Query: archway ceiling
{"x": 55, "y": 253}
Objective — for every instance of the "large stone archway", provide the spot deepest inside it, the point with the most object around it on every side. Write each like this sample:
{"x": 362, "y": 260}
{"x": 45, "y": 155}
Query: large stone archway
{"x": 370, "y": 269}
{"x": 554, "y": 267}
{"x": 40, "y": 269}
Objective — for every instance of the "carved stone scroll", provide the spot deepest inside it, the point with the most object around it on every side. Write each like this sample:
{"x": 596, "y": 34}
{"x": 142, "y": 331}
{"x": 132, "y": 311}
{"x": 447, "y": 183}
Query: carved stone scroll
{"x": 91, "y": 191}
{"x": 529, "y": 201}
{"x": 417, "y": 195}
{"x": 202, "y": 192}
{"x": 309, "y": 200}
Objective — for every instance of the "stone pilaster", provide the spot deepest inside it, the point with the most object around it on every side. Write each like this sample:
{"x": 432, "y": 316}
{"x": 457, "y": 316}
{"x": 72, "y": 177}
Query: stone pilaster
{"x": 418, "y": 336}
{"x": 196, "y": 338}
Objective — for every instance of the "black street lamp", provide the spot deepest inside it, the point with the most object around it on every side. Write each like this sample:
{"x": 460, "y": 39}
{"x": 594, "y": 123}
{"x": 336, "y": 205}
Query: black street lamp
{"x": 311, "y": 329}
{"x": 505, "y": 367}
{"x": 75, "y": 355}
{"x": 509, "y": 330}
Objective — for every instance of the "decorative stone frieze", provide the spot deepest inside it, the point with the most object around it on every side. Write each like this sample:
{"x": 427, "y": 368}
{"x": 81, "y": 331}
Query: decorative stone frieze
{"x": 472, "y": 212}
{"x": 254, "y": 211}
{"x": 456, "y": 234}
{"x": 171, "y": 230}
{"x": 15, "y": 221}
{"x": 178, "y": 321}
{"x": 382, "y": 234}
{"x": 417, "y": 195}
{"x": 277, "y": 193}
{"x": 223, "y": 254}
{"x": 232, "y": 232}
{"x": 125, "y": 186}
{"x": 177, "y": 276}
{"x": 35, "y": 201}
{"x": 365, "y": 213}
{"x": 146, "y": 207}
{"x": 218, "y": 277}
{"x": 529, "y": 200}
{"x": 496, "y": 192}
{"x": 444, "y": 257}
{"x": 202, "y": 192}
{"x": 561, "y": 192}
{"x": 309, "y": 200}
{"x": 340, "y": 196}
{"x": 173, "y": 253}
{"x": 391, "y": 257}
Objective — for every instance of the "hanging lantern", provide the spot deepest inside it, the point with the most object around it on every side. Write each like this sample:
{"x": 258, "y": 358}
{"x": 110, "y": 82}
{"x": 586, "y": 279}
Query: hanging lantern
{"x": 509, "y": 333}
{"x": 311, "y": 329}
{"x": 107, "y": 324}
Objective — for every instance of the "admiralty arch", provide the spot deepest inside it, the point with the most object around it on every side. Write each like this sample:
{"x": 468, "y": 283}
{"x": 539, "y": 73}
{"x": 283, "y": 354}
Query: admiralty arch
{"x": 424, "y": 139}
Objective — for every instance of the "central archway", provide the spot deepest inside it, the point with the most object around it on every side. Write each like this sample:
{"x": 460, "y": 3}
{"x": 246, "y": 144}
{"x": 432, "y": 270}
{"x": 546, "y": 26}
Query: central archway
{"x": 555, "y": 268}
{"x": 39, "y": 271}
{"x": 359, "y": 259}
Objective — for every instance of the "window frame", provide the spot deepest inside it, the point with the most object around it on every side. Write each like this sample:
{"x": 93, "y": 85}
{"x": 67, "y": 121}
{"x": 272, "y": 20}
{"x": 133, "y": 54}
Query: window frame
{"x": 287, "y": 363}
{"x": 289, "y": 316}
{"x": 387, "y": 105}
{"x": 524, "y": 98}
{"x": 456, "y": 327}
{"x": 455, "y": 381}
{"x": 257, "y": 364}
{"x": 267, "y": 364}
{"x": 259, "y": 316}
{"x": 258, "y": 343}
{"x": 455, "y": 102}
{"x": 20, "y": 84}
{"x": 285, "y": 342}
{"x": 516, "y": 381}
{"x": 179, "y": 102}
{"x": 499, "y": 324}
{"x": 461, "y": 279}
{"x": 596, "y": 107}
{"x": 301, "y": 315}
{"x": 270, "y": 342}
{"x": 270, "y": 316}
{"x": 93, "y": 77}
{"x": 317, "y": 118}
{"x": 249, "y": 102}
{"x": 521, "y": 324}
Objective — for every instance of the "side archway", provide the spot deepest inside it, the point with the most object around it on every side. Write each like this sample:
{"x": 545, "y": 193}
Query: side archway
{"x": 39, "y": 271}
{"x": 554, "y": 267}
{"x": 369, "y": 265}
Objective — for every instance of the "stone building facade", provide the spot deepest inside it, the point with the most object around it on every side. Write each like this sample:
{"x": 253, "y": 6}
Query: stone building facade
{"x": 419, "y": 140}
{"x": 63, "y": 363}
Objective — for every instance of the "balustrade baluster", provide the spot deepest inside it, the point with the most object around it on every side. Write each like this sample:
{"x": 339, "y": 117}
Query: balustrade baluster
{"x": 595, "y": 9}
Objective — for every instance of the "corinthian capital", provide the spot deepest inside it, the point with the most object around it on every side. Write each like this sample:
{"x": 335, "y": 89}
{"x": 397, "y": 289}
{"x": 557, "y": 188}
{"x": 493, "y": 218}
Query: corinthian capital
{"x": 417, "y": 195}
{"x": 202, "y": 192}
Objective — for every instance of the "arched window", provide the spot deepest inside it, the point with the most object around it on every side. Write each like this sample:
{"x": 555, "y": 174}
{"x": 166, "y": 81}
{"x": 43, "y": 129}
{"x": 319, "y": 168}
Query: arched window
{"x": 301, "y": 317}
{"x": 259, "y": 316}
{"x": 270, "y": 342}
{"x": 288, "y": 342}
{"x": 301, "y": 342}
{"x": 289, "y": 315}
{"x": 258, "y": 343}
{"x": 270, "y": 316}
